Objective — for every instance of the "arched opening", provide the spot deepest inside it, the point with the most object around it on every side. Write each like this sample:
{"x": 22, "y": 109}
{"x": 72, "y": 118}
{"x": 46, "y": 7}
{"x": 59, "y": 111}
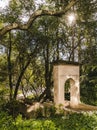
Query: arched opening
{"x": 69, "y": 84}
{"x": 67, "y": 90}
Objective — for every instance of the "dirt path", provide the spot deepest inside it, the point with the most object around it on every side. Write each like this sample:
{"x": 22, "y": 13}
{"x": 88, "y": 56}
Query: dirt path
{"x": 82, "y": 108}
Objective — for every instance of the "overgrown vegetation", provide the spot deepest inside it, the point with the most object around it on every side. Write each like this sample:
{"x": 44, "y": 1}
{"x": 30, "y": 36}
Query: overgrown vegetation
{"x": 27, "y": 63}
{"x": 31, "y": 48}
{"x": 86, "y": 121}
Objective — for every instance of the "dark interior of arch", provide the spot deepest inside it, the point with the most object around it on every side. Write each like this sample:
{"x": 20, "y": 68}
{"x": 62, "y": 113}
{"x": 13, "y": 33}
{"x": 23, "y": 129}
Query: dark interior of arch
{"x": 67, "y": 90}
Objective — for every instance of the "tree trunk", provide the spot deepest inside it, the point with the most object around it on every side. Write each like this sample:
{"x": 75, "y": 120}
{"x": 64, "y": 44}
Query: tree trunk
{"x": 10, "y": 65}
{"x": 47, "y": 92}
{"x": 20, "y": 78}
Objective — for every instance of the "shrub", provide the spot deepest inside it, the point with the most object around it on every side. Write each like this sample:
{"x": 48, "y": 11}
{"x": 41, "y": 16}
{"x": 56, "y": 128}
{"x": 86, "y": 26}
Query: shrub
{"x": 6, "y": 121}
{"x": 82, "y": 121}
{"x": 3, "y": 95}
{"x": 15, "y": 107}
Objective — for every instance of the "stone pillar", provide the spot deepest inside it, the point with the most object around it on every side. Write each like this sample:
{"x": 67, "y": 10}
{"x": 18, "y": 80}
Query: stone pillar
{"x": 58, "y": 86}
{"x": 75, "y": 92}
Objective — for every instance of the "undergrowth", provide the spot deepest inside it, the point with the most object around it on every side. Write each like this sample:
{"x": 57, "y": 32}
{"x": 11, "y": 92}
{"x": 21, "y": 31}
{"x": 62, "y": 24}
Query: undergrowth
{"x": 83, "y": 121}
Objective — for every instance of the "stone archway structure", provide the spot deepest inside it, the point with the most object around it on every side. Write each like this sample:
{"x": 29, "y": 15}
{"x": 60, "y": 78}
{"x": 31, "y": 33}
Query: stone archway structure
{"x": 61, "y": 73}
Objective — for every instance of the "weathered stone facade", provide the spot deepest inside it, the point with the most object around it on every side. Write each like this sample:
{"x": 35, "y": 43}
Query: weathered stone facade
{"x": 61, "y": 73}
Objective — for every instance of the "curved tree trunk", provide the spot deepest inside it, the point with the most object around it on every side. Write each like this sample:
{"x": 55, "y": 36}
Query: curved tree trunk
{"x": 20, "y": 78}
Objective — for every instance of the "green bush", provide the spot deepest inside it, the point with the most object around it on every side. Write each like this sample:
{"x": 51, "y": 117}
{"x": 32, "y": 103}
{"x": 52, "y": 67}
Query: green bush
{"x": 6, "y": 121}
{"x": 85, "y": 121}
{"x": 14, "y": 108}
{"x": 3, "y": 95}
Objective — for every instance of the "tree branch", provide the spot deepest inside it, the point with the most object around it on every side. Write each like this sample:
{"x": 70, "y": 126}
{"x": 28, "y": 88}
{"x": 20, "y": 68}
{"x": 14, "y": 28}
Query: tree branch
{"x": 35, "y": 15}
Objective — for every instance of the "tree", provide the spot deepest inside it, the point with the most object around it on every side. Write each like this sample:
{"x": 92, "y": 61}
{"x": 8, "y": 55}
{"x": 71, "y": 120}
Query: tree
{"x": 88, "y": 51}
{"x": 14, "y": 24}
{"x": 19, "y": 58}
{"x": 62, "y": 39}
{"x": 32, "y": 18}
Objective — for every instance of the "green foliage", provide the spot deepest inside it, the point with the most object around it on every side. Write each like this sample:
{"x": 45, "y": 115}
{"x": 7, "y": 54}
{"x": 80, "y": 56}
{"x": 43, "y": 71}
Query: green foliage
{"x": 49, "y": 39}
{"x": 6, "y": 121}
{"x": 14, "y": 108}
{"x": 85, "y": 121}
{"x": 3, "y": 68}
{"x": 49, "y": 110}
{"x": 89, "y": 84}
{"x": 3, "y": 95}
